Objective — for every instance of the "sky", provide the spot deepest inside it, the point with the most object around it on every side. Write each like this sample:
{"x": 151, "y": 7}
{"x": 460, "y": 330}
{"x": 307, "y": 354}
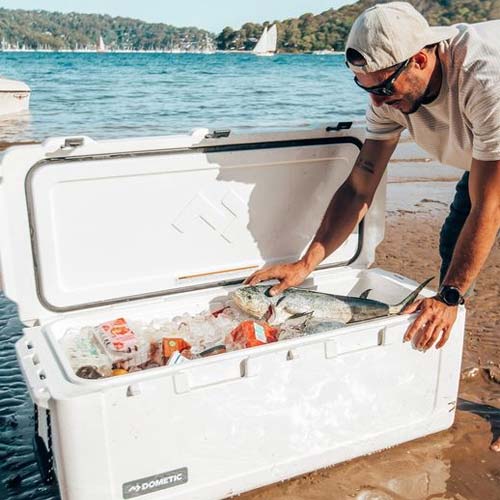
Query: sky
{"x": 212, "y": 15}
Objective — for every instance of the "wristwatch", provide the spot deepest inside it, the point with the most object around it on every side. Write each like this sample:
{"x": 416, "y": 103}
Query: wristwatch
{"x": 450, "y": 295}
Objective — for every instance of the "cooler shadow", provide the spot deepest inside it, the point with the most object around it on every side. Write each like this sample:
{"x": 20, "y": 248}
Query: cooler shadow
{"x": 285, "y": 205}
{"x": 489, "y": 413}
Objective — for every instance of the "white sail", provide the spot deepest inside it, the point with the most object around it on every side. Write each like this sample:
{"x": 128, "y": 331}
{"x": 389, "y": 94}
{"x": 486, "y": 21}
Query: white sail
{"x": 272, "y": 39}
{"x": 101, "y": 47}
{"x": 261, "y": 46}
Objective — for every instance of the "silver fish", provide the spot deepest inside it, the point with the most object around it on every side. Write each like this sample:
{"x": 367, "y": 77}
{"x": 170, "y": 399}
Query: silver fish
{"x": 296, "y": 302}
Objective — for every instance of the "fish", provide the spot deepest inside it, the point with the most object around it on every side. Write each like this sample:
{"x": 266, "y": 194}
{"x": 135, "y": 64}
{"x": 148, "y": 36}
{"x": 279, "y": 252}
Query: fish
{"x": 295, "y": 303}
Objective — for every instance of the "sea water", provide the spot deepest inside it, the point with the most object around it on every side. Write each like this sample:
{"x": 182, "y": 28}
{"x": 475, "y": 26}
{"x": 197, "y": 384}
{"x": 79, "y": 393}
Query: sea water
{"x": 114, "y": 95}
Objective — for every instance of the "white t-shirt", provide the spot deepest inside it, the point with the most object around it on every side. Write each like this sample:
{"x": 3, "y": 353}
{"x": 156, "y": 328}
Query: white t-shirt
{"x": 463, "y": 122}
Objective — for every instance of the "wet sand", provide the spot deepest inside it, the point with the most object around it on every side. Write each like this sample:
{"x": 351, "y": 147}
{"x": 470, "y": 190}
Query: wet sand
{"x": 457, "y": 463}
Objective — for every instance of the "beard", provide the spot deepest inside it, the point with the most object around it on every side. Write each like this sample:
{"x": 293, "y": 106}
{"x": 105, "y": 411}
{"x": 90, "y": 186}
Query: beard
{"x": 414, "y": 104}
{"x": 418, "y": 98}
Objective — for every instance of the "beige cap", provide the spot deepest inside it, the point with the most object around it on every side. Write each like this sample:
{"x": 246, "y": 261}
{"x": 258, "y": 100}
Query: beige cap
{"x": 389, "y": 33}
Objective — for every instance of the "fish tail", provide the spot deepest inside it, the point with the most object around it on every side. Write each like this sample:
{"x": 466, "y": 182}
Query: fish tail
{"x": 397, "y": 308}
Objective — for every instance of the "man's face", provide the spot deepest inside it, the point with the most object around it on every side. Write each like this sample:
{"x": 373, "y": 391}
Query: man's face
{"x": 409, "y": 88}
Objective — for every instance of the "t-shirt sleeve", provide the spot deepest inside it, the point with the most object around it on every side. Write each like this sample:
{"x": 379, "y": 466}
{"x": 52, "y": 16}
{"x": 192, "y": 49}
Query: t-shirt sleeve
{"x": 380, "y": 126}
{"x": 482, "y": 110}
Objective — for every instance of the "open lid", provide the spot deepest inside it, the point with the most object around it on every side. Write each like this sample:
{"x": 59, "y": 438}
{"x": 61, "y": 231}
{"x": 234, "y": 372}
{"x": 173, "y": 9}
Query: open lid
{"x": 86, "y": 223}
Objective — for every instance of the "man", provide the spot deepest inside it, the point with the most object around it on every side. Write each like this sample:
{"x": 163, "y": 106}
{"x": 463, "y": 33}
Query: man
{"x": 443, "y": 85}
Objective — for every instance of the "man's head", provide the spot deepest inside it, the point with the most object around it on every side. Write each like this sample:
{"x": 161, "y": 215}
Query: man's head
{"x": 392, "y": 51}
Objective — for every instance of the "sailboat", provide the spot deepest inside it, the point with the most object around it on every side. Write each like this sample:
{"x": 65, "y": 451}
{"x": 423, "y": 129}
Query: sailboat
{"x": 266, "y": 46}
{"x": 101, "y": 47}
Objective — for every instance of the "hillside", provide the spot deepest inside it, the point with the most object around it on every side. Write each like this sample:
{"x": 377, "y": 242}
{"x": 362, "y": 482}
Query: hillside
{"x": 329, "y": 29}
{"x": 52, "y": 30}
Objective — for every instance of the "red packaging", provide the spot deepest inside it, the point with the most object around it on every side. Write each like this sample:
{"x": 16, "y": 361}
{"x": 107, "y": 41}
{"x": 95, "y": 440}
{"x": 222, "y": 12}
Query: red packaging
{"x": 172, "y": 344}
{"x": 118, "y": 336}
{"x": 253, "y": 333}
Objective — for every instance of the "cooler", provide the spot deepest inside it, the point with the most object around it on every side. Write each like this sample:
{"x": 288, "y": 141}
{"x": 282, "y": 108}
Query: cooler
{"x": 154, "y": 227}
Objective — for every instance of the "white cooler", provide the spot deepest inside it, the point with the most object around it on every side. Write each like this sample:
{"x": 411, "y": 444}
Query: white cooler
{"x": 153, "y": 227}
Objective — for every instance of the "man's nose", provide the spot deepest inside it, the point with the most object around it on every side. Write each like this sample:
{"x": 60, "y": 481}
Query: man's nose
{"x": 378, "y": 100}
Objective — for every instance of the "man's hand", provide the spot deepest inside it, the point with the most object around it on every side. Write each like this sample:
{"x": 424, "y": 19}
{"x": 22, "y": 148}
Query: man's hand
{"x": 288, "y": 274}
{"x": 435, "y": 320}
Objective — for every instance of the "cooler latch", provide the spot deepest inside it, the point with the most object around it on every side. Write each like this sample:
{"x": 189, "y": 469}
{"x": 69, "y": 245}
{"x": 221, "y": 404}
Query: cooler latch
{"x": 339, "y": 126}
{"x": 218, "y": 134}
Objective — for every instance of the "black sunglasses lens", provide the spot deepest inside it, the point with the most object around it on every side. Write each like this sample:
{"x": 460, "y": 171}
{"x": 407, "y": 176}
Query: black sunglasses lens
{"x": 383, "y": 92}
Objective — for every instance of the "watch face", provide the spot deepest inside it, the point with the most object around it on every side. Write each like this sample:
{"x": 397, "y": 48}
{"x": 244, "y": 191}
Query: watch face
{"x": 451, "y": 296}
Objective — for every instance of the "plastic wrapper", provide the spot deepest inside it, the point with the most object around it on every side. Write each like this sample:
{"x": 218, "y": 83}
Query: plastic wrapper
{"x": 122, "y": 345}
{"x": 252, "y": 333}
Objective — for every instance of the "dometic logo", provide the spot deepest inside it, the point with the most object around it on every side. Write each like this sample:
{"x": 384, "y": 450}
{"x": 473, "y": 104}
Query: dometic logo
{"x": 150, "y": 484}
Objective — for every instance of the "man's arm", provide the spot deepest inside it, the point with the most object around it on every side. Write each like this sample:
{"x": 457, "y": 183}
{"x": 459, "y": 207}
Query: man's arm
{"x": 473, "y": 246}
{"x": 346, "y": 209}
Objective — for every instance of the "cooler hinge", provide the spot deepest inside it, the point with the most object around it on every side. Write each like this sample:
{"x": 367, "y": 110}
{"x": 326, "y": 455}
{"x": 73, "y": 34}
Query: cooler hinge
{"x": 70, "y": 144}
{"x": 73, "y": 142}
{"x": 218, "y": 134}
{"x": 340, "y": 126}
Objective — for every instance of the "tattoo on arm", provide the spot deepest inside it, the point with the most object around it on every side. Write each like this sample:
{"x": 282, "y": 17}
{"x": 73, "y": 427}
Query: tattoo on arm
{"x": 366, "y": 165}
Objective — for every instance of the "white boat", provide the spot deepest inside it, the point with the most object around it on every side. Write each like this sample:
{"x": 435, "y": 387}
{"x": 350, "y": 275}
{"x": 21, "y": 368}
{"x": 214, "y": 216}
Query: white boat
{"x": 325, "y": 52}
{"x": 101, "y": 47}
{"x": 14, "y": 96}
{"x": 266, "y": 46}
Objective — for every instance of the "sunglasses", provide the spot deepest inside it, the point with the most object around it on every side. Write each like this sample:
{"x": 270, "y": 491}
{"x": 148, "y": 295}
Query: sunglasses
{"x": 386, "y": 88}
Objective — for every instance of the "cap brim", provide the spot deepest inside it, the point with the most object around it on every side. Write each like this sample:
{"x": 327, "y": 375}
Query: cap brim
{"x": 440, "y": 33}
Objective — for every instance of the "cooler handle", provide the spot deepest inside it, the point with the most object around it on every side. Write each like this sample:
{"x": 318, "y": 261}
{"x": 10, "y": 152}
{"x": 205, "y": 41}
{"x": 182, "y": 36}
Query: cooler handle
{"x": 363, "y": 341}
{"x": 33, "y": 372}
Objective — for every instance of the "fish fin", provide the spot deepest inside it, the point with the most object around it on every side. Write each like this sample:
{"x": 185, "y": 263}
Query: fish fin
{"x": 283, "y": 297}
{"x": 364, "y": 295}
{"x": 299, "y": 319}
{"x": 397, "y": 308}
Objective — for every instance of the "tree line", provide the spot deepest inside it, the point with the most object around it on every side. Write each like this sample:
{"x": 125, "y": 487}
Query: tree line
{"x": 326, "y": 31}
{"x": 56, "y": 31}
{"x": 329, "y": 30}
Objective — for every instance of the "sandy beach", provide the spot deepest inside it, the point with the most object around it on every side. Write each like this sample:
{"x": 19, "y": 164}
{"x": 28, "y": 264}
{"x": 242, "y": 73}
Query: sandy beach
{"x": 457, "y": 463}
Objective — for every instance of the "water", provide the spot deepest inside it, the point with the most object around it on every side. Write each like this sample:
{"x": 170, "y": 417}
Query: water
{"x": 121, "y": 95}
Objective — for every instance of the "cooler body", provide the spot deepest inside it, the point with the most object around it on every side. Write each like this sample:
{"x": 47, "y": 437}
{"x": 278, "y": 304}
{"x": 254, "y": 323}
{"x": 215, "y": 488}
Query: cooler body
{"x": 221, "y": 426}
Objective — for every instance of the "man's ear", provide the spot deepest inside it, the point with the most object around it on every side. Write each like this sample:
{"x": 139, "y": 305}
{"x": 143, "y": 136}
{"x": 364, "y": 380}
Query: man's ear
{"x": 421, "y": 59}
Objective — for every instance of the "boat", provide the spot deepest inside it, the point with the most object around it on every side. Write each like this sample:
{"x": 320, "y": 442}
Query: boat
{"x": 101, "y": 47}
{"x": 14, "y": 96}
{"x": 266, "y": 46}
{"x": 325, "y": 52}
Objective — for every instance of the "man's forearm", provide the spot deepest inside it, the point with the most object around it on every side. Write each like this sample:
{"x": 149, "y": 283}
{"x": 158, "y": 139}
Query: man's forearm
{"x": 473, "y": 247}
{"x": 350, "y": 203}
{"x": 345, "y": 211}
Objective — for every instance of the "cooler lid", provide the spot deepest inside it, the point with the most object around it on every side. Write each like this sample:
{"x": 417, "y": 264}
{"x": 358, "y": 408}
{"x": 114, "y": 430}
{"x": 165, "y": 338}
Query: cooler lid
{"x": 86, "y": 223}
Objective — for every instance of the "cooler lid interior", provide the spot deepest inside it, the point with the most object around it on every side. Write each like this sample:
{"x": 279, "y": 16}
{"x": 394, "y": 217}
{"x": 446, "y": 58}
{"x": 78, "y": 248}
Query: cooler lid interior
{"x": 133, "y": 224}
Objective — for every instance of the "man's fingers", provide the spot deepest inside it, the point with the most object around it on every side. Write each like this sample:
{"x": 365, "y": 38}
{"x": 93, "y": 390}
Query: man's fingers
{"x": 435, "y": 331}
{"x": 281, "y": 287}
{"x": 444, "y": 338}
{"x": 259, "y": 276}
{"x": 416, "y": 326}
{"x": 248, "y": 279}
{"x": 411, "y": 308}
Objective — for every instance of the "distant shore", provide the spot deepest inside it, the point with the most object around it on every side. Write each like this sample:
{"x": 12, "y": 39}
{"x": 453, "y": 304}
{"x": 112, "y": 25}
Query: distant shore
{"x": 123, "y": 51}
